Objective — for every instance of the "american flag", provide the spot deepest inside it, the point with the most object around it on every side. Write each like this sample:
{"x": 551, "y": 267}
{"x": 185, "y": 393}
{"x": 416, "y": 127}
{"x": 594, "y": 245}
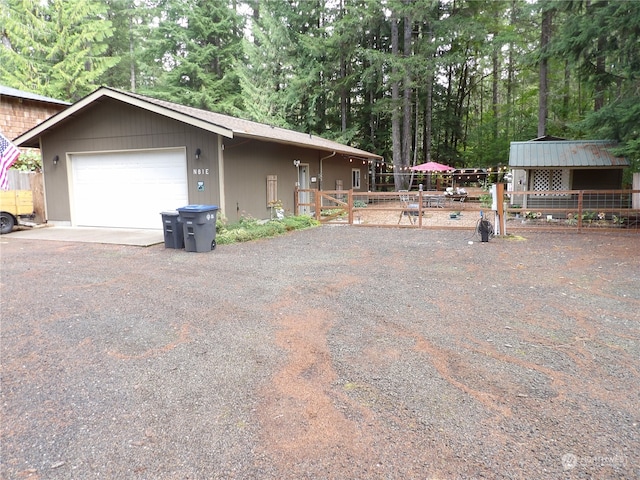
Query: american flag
{"x": 8, "y": 155}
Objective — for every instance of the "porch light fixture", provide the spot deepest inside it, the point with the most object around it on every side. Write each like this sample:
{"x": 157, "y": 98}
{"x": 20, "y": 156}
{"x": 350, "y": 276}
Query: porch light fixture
{"x": 296, "y": 163}
{"x": 56, "y": 159}
{"x": 198, "y": 153}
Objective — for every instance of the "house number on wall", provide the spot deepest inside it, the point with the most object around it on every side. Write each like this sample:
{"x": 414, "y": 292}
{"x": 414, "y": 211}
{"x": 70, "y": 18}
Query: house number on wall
{"x": 201, "y": 171}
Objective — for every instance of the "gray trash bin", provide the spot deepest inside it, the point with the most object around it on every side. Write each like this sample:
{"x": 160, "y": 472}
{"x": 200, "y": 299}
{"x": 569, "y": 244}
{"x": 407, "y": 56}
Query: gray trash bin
{"x": 173, "y": 231}
{"x": 199, "y": 227}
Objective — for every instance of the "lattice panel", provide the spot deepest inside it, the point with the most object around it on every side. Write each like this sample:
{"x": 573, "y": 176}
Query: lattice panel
{"x": 556, "y": 180}
{"x": 541, "y": 179}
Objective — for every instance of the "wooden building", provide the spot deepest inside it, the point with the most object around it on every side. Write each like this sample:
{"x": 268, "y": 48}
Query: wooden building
{"x": 20, "y": 110}
{"x": 118, "y": 159}
{"x": 549, "y": 164}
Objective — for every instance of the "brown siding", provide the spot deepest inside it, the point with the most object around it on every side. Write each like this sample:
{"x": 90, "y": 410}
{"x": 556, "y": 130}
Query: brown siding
{"x": 340, "y": 169}
{"x": 19, "y": 115}
{"x": 247, "y": 163}
{"x": 112, "y": 126}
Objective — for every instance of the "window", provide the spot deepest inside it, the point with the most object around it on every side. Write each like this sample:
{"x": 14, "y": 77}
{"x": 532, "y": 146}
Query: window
{"x": 355, "y": 178}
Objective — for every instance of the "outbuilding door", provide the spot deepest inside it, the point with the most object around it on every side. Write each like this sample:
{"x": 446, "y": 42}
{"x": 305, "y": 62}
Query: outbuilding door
{"x": 127, "y": 189}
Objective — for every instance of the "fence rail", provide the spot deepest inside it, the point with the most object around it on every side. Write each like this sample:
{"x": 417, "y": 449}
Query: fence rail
{"x": 571, "y": 210}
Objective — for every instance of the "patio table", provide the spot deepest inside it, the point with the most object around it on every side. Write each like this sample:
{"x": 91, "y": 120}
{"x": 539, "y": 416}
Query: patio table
{"x": 431, "y": 201}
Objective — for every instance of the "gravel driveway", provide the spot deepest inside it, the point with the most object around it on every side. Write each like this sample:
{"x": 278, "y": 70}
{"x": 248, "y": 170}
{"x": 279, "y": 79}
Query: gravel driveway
{"x": 337, "y": 352}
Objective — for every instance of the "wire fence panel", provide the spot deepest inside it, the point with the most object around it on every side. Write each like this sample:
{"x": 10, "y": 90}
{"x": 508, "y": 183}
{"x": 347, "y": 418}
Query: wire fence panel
{"x": 571, "y": 210}
{"x": 577, "y": 210}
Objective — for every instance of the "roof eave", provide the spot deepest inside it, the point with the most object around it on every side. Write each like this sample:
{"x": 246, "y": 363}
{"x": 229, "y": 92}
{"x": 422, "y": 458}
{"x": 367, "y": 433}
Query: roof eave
{"x": 30, "y": 138}
{"x": 357, "y": 153}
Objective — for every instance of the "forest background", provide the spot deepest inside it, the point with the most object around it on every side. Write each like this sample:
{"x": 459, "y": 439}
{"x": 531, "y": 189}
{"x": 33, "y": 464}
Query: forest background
{"x": 452, "y": 81}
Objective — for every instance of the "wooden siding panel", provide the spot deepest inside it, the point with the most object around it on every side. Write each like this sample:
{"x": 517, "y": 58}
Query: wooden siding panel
{"x": 19, "y": 115}
{"x": 247, "y": 165}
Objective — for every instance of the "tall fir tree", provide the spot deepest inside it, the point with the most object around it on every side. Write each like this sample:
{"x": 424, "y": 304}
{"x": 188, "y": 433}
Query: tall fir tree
{"x": 194, "y": 47}
{"x": 55, "y": 48}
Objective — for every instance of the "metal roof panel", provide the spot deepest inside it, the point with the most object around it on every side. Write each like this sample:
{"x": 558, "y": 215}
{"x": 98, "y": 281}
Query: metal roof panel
{"x": 14, "y": 92}
{"x": 562, "y": 154}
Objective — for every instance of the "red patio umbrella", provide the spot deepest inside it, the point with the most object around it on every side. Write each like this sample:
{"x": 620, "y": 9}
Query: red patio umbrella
{"x": 432, "y": 167}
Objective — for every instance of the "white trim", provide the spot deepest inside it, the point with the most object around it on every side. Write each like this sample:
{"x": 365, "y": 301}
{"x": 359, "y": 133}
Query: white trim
{"x": 127, "y": 150}
{"x": 353, "y": 184}
{"x": 221, "y": 191}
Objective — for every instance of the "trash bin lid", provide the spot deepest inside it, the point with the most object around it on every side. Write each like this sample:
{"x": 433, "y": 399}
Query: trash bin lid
{"x": 198, "y": 208}
{"x": 171, "y": 213}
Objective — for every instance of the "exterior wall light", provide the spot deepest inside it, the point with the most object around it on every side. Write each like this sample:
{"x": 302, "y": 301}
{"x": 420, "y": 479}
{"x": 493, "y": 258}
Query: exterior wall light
{"x": 296, "y": 163}
{"x": 56, "y": 159}
{"x": 198, "y": 153}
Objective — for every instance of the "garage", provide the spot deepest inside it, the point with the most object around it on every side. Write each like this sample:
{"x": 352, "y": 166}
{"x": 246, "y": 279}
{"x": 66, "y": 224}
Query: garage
{"x": 127, "y": 189}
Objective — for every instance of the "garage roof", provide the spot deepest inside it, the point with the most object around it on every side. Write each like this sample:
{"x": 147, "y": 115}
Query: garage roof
{"x": 224, "y": 125}
{"x": 568, "y": 153}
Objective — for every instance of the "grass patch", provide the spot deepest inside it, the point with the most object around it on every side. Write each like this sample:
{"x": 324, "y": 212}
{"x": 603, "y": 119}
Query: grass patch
{"x": 517, "y": 238}
{"x": 248, "y": 229}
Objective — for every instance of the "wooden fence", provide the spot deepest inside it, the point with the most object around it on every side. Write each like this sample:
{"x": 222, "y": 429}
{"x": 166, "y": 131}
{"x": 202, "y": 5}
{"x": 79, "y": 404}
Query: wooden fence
{"x": 571, "y": 210}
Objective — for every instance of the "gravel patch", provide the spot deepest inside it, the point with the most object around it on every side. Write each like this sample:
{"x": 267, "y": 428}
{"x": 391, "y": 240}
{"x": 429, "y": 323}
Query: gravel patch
{"x": 336, "y": 352}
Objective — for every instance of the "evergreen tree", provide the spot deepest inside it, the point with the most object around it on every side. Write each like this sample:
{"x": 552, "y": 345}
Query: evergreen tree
{"x": 601, "y": 39}
{"x": 194, "y": 48}
{"x": 131, "y": 23}
{"x": 55, "y": 48}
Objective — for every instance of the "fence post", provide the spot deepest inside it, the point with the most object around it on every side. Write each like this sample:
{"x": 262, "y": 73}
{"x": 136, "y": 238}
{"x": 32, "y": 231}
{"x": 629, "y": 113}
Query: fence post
{"x": 500, "y": 199}
{"x": 350, "y": 205}
{"x": 318, "y": 202}
{"x": 296, "y": 200}
{"x": 580, "y": 193}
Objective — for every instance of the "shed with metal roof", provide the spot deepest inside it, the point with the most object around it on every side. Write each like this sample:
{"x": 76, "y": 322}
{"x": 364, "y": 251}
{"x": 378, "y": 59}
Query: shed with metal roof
{"x": 549, "y": 164}
{"x": 566, "y": 165}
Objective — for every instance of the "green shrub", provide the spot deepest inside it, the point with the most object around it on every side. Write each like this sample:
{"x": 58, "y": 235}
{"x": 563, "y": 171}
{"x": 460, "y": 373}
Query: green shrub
{"x": 486, "y": 200}
{"x": 247, "y": 228}
{"x": 28, "y": 161}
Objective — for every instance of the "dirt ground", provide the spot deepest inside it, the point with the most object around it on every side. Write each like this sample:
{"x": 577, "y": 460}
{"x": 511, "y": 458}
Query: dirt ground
{"x": 337, "y": 352}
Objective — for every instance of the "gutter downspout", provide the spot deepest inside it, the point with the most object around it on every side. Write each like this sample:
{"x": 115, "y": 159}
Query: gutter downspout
{"x": 320, "y": 173}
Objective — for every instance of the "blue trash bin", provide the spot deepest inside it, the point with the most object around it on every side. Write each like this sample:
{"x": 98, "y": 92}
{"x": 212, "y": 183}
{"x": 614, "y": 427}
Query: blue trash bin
{"x": 199, "y": 227}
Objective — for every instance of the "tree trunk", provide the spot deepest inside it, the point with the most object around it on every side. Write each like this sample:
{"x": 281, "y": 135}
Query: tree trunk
{"x": 428, "y": 118}
{"x": 494, "y": 96}
{"x": 545, "y": 38}
{"x": 396, "y": 147}
{"x": 428, "y": 111}
{"x": 598, "y": 101}
{"x": 132, "y": 63}
{"x": 510, "y": 73}
{"x": 406, "y": 123}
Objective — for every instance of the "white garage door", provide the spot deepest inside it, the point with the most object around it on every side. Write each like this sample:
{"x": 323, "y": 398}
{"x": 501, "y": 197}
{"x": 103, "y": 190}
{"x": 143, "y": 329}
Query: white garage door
{"x": 127, "y": 189}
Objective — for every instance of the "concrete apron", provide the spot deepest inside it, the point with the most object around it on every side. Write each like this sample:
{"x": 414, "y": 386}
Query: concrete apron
{"x": 116, "y": 236}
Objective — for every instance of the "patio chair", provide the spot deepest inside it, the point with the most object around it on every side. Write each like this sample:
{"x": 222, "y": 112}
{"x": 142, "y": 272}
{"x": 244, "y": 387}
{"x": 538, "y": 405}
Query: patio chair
{"x": 437, "y": 201}
{"x": 408, "y": 206}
